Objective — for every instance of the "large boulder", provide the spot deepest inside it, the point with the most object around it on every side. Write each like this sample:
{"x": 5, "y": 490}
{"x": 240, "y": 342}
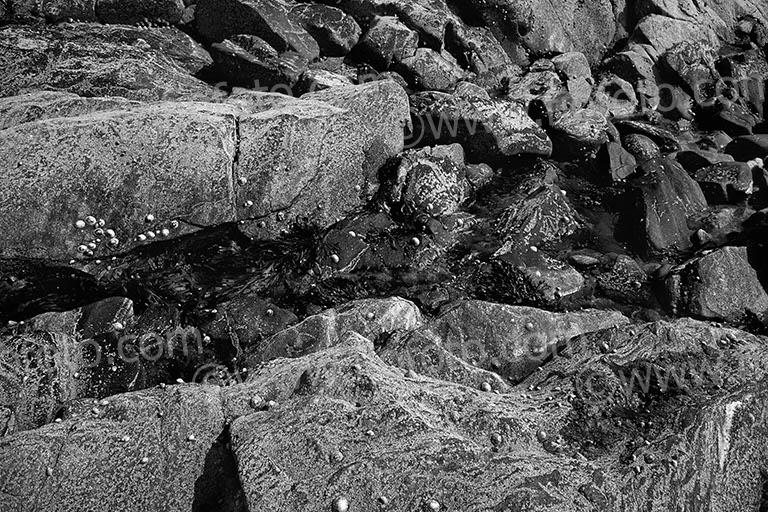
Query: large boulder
{"x": 721, "y": 285}
{"x": 271, "y": 20}
{"x": 143, "y": 451}
{"x": 489, "y": 130}
{"x": 144, "y": 169}
{"x": 658, "y": 205}
{"x": 102, "y": 60}
{"x": 513, "y": 340}
{"x": 168, "y": 160}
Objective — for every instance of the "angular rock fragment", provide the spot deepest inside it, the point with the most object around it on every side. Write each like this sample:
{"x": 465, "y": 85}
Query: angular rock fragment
{"x": 430, "y": 70}
{"x": 725, "y": 182}
{"x": 271, "y": 20}
{"x": 748, "y": 147}
{"x": 249, "y": 61}
{"x": 489, "y": 130}
{"x": 721, "y": 286}
{"x": 388, "y": 41}
{"x": 102, "y": 60}
{"x": 335, "y": 32}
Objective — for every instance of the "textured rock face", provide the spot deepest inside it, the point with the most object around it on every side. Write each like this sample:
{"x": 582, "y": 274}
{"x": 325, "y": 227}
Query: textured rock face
{"x": 721, "y": 285}
{"x": 133, "y": 453}
{"x": 369, "y": 318}
{"x": 98, "y": 60}
{"x": 388, "y": 41}
{"x": 335, "y": 31}
{"x": 268, "y": 19}
{"x": 495, "y": 129}
{"x": 183, "y": 162}
{"x": 37, "y": 377}
{"x": 251, "y": 62}
{"x": 173, "y": 161}
{"x": 725, "y": 182}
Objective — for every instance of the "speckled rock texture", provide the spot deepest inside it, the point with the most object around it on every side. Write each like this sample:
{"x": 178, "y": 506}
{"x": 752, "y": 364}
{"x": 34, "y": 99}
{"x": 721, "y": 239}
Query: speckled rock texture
{"x": 102, "y": 60}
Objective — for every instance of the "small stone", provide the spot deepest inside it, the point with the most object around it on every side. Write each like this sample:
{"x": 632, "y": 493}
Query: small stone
{"x": 370, "y": 315}
{"x": 91, "y": 220}
{"x": 485, "y": 386}
{"x": 256, "y": 402}
{"x": 125, "y": 439}
{"x": 109, "y": 232}
{"x": 80, "y": 224}
{"x": 191, "y": 437}
{"x": 334, "y": 258}
{"x": 82, "y": 249}
{"x": 496, "y": 439}
{"x": 383, "y": 500}
{"x": 150, "y": 234}
{"x": 49, "y": 471}
{"x": 338, "y": 456}
{"x": 179, "y": 381}
{"x": 433, "y": 505}
{"x": 248, "y": 204}
{"x": 149, "y": 218}
{"x": 91, "y": 245}
{"x": 101, "y": 223}
{"x": 415, "y": 241}
{"x": 340, "y": 504}
{"x": 165, "y": 232}
{"x": 142, "y": 238}
{"x": 271, "y": 404}
{"x": 370, "y": 433}
{"x": 352, "y": 234}
{"x": 541, "y": 435}
{"x": 529, "y": 326}
{"x": 242, "y": 180}
{"x": 98, "y": 232}
{"x": 57, "y": 420}
{"x": 174, "y": 224}
{"x": 144, "y": 460}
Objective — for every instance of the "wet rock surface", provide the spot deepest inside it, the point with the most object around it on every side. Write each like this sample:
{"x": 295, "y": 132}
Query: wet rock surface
{"x": 383, "y": 255}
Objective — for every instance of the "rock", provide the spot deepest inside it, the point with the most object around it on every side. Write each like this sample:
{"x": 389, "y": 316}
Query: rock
{"x": 543, "y": 86}
{"x": 748, "y": 147}
{"x": 430, "y": 70}
{"x": 578, "y": 134}
{"x": 626, "y": 282}
{"x": 479, "y": 51}
{"x": 725, "y": 182}
{"x": 637, "y": 69}
{"x": 373, "y": 318}
{"x": 537, "y": 216}
{"x": 136, "y": 448}
{"x": 246, "y": 321}
{"x": 693, "y": 160}
{"x": 619, "y": 161}
{"x": 692, "y": 65}
{"x": 655, "y": 34}
{"x": 552, "y": 278}
{"x": 134, "y": 11}
{"x": 314, "y": 80}
{"x": 659, "y": 202}
{"x": 349, "y": 132}
{"x": 747, "y": 73}
{"x": 110, "y": 165}
{"x": 489, "y": 131}
{"x": 641, "y": 147}
{"x": 470, "y": 91}
{"x": 102, "y": 60}
{"x": 665, "y": 139}
{"x": 518, "y": 339}
{"x": 572, "y": 65}
{"x": 38, "y": 376}
{"x": 251, "y": 62}
{"x": 335, "y": 31}
{"x": 26, "y": 108}
{"x": 431, "y": 182}
{"x": 382, "y": 110}
{"x": 62, "y": 10}
{"x": 104, "y": 316}
{"x": 388, "y": 41}
{"x": 271, "y": 20}
{"x": 614, "y": 97}
{"x": 543, "y": 28}
{"x": 721, "y": 286}
{"x": 479, "y": 175}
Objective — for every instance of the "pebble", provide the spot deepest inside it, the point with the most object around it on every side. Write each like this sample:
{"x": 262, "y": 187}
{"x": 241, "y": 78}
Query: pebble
{"x": 80, "y": 224}
{"x": 485, "y": 386}
{"x": 433, "y": 505}
{"x": 415, "y": 241}
{"x": 174, "y": 224}
{"x": 242, "y": 180}
{"x": 334, "y": 258}
{"x": 149, "y": 218}
{"x": 150, "y": 234}
{"x": 165, "y": 232}
{"x": 144, "y": 460}
{"x": 191, "y": 437}
{"x": 370, "y": 315}
{"x": 248, "y": 204}
{"x": 340, "y": 504}
{"x": 256, "y": 402}
{"x": 125, "y": 439}
{"x": 91, "y": 220}
{"x": 142, "y": 238}
{"x": 541, "y": 435}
